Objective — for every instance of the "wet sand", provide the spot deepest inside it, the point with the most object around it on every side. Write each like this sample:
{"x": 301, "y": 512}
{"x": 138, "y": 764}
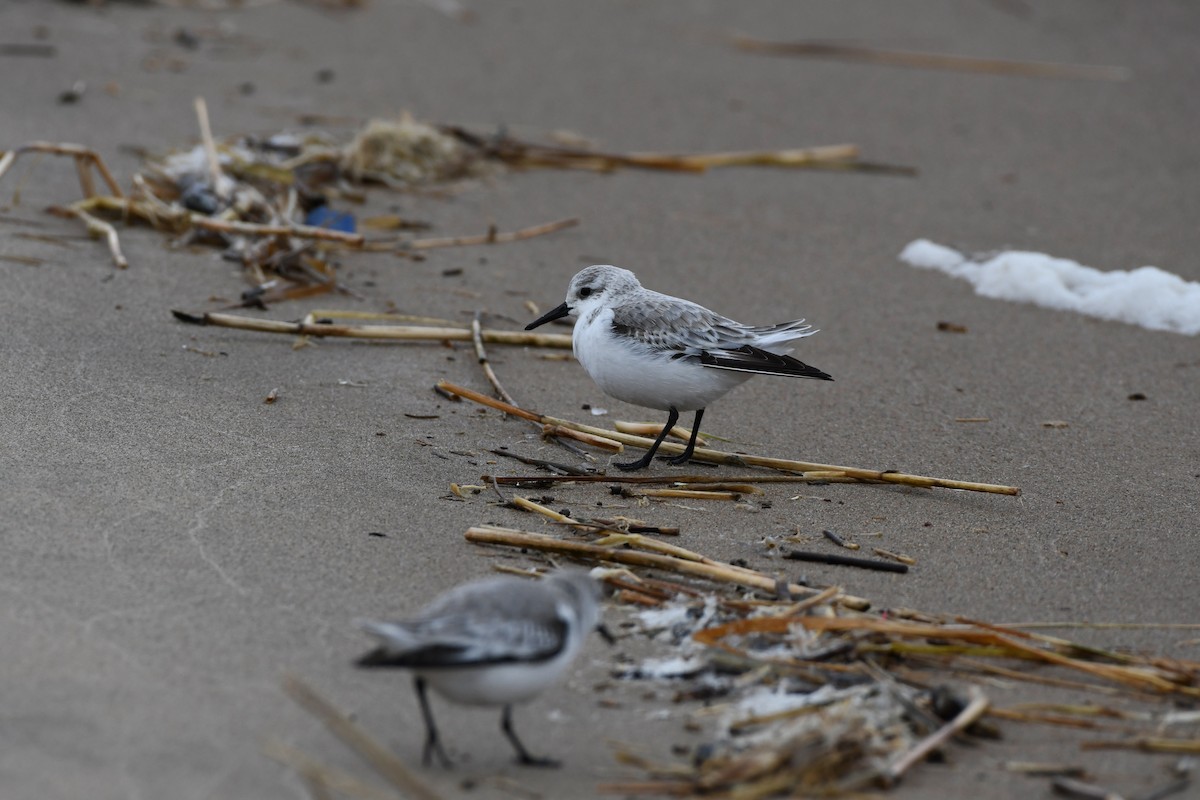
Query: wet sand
{"x": 174, "y": 545}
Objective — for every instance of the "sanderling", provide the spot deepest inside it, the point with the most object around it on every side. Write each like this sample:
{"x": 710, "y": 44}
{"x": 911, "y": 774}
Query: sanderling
{"x": 493, "y": 642}
{"x": 662, "y": 352}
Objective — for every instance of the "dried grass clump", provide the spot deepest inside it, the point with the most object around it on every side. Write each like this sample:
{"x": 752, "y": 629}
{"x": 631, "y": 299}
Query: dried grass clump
{"x": 407, "y": 151}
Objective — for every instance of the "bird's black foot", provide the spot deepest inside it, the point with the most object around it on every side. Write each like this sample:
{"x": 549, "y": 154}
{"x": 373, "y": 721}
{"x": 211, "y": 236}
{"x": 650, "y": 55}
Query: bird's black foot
{"x": 527, "y": 760}
{"x": 523, "y": 756}
{"x": 631, "y": 466}
{"x": 433, "y": 748}
{"x": 644, "y": 461}
{"x": 433, "y": 743}
{"x": 686, "y": 455}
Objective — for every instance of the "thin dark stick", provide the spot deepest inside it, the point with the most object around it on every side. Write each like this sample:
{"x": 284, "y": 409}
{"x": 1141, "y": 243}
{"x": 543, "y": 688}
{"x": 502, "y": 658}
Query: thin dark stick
{"x": 845, "y": 561}
{"x": 566, "y": 469}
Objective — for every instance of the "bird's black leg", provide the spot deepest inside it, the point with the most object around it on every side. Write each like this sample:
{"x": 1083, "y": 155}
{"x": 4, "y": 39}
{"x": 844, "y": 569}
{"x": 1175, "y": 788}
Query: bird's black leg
{"x": 522, "y": 754}
{"x": 432, "y": 744}
{"x": 683, "y": 457}
{"x": 645, "y": 460}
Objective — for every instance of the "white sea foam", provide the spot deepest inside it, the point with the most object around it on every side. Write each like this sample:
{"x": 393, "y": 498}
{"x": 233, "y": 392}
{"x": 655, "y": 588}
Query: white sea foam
{"x": 1147, "y": 296}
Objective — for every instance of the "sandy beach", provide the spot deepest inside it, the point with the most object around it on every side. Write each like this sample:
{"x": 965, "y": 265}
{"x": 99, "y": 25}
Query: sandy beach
{"x": 174, "y": 545}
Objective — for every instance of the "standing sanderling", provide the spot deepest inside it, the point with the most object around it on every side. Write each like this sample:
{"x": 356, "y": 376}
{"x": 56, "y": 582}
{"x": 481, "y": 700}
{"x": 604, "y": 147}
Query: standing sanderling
{"x": 662, "y": 352}
{"x": 493, "y": 642}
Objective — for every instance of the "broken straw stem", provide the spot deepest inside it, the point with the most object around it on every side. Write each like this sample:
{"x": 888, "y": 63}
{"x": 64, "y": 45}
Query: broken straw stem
{"x": 966, "y": 717}
{"x": 394, "y": 332}
{"x": 379, "y": 757}
{"x": 738, "y": 459}
{"x": 493, "y": 534}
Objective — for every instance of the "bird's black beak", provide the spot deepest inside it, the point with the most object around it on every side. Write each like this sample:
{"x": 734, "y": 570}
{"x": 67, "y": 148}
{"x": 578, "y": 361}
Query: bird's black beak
{"x": 550, "y": 316}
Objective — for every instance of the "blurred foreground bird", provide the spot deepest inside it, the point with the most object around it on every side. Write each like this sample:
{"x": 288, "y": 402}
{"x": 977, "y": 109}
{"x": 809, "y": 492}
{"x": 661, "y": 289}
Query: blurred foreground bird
{"x": 493, "y": 642}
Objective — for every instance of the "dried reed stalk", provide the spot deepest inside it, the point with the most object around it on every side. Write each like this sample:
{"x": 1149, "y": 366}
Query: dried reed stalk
{"x": 379, "y": 757}
{"x": 652, "y": 429}
{"x": 210, "y": 144}
{"x": 484, "y": 364}
{"x": 601, "y": 442}
{"x": 651, "y": 480}
{"x": 78, "y": 152}
{"x": 963, "y": 720}
{"x": 97, "y": 229}
{"x": 735, "y": 459}
{"x": 492, "y": 236}
{"x": 335, "y": 779}
{"x": 1149, "y": 744}
{"x": 413, "y": 333}
{"x": 492, "y": 534}
{"x": 907, "y": 58}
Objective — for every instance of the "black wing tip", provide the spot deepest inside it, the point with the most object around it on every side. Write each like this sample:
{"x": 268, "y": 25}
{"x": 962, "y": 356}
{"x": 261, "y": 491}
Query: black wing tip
{"x": 765, "y": 362}
{"x": 379, "y": 657}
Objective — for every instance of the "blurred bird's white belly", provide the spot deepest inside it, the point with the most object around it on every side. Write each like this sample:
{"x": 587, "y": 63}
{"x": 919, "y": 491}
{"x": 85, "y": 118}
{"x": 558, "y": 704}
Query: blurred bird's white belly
{"x": 497, "y": 684}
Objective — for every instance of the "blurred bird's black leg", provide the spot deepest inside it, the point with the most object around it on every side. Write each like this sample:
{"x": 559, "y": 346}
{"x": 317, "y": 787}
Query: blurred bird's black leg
{"x": 645, "y": 460}
{"x": 522, "y": 754}
{"x": 432, "y": 743}
{"x": 683, "y": 457}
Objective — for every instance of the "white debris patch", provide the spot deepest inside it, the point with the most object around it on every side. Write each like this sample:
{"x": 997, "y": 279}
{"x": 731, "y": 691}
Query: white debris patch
{"x": 1147, "y": 296}
{"x": 680, "y": 667}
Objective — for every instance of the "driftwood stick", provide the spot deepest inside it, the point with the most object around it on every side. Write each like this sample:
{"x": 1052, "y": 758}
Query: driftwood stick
{"x": 415, "y": 333}
{"x": 964, "y": 719}
{"x": 382, "y": 760}
{"x": 492, "y": 236}
{"x": 492, "y": 534}
{"x": 719, "y": 457}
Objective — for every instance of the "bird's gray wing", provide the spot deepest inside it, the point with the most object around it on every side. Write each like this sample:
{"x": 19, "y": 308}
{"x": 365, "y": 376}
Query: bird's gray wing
{"x": 685, "y": 330}
{"x": 675, "y": 326}
{"x": 473, "y": 627}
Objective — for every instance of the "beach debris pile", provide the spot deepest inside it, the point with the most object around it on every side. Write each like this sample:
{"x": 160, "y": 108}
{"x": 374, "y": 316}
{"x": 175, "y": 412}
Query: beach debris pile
{"x": 283, "y": 205}
{"x": 808, "y": 688}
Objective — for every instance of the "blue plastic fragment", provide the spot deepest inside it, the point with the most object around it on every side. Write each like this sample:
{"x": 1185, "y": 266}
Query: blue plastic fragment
{"x": 325, "y": 217}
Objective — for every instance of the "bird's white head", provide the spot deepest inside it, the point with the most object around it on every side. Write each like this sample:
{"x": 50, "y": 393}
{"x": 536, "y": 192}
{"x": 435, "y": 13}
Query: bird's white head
{"x": 597, "y": 285}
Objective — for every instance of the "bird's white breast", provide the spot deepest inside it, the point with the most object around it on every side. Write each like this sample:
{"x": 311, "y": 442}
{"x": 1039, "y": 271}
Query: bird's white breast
{"x": 638, "y": 374}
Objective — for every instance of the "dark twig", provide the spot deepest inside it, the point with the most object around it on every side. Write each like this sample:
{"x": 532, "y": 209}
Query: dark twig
{"x": 845, "y": 561}
{"x": 564, "y": 469}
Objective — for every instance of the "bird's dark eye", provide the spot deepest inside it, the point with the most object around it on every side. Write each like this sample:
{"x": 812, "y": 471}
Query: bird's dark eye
{"x": 585, "y": 291}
